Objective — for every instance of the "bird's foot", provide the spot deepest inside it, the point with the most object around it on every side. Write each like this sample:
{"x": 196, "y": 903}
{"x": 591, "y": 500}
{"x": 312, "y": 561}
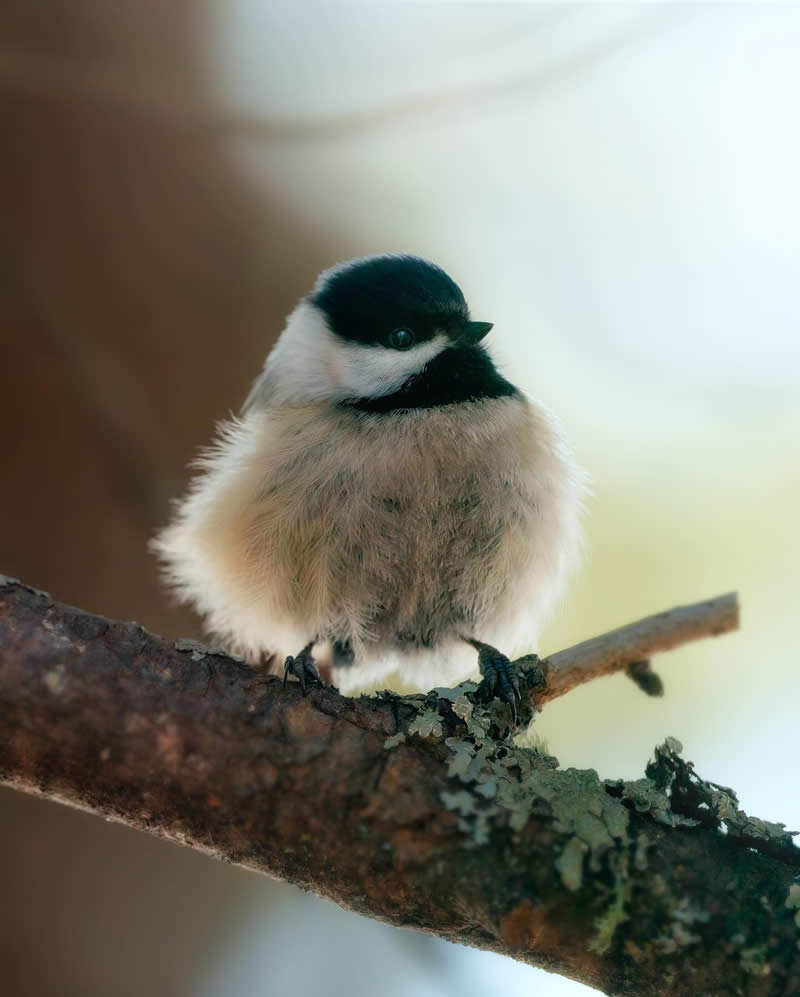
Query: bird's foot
{"x": 500, "y": 676}
{"x": 303, "y": 667}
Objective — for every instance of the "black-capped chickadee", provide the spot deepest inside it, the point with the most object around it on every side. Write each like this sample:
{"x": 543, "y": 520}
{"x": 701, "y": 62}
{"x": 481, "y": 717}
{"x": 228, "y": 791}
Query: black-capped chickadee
{"x": 387, "y": 499}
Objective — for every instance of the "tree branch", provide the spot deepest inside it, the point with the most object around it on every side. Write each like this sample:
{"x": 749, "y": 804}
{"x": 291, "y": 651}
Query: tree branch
{"x": 417, "y": 811}
{"x": 162, "y": 100}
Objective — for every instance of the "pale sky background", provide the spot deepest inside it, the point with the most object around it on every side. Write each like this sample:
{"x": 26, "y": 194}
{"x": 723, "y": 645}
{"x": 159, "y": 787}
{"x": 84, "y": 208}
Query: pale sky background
{"x": 616, "y": 187}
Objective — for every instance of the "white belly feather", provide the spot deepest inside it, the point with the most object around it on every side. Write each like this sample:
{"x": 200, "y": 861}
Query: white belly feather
{"x": 396, "y": 533}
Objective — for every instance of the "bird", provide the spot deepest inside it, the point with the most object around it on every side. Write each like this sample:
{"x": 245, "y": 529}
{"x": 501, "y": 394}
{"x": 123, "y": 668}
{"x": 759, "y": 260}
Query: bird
{"x": 386, "y": 504}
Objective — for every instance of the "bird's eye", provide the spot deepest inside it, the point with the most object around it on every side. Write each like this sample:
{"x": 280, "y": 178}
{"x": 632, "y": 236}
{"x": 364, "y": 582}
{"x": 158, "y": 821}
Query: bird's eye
{"x": 402, "y": 339}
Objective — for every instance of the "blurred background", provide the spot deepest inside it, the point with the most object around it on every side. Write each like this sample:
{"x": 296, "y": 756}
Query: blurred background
{"x": 615, "y": 186}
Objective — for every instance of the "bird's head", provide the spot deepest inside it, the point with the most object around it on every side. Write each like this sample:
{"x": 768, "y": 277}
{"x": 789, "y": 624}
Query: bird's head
{"x": 368, "y": 327}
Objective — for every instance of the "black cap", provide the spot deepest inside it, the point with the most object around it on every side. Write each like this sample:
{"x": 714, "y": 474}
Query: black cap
{"x": 367, "y": 299}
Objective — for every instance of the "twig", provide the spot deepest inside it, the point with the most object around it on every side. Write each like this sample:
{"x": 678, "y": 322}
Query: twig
{"x": 616, "y": 650}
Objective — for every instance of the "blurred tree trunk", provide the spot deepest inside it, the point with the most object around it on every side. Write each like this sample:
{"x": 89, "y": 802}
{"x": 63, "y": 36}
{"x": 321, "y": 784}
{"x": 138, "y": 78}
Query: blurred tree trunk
{"x": 142, "y": 281}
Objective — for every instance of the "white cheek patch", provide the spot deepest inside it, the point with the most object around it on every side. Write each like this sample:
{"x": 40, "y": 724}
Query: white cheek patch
{"x": 360, "y": 371}
{"x": 310, "y": 364}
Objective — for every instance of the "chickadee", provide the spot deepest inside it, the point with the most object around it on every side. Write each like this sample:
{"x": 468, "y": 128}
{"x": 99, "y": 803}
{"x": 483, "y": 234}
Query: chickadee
{"x": 387, "y": 500}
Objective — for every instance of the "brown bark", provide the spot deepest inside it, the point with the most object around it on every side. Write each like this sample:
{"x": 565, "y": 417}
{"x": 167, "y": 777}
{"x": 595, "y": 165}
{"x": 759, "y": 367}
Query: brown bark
{"x": 630, "y": 888}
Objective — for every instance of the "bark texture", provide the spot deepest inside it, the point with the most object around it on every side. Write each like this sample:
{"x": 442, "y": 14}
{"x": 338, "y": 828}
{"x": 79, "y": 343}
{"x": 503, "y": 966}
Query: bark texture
{"x": 416, "y": 810}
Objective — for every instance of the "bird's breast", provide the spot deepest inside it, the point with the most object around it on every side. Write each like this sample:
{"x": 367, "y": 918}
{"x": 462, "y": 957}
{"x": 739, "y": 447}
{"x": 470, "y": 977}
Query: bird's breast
{"x": 397, "y": 528}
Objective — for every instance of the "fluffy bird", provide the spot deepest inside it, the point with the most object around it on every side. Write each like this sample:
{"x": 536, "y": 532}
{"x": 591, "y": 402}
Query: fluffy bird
{"x": 387, "y": 502}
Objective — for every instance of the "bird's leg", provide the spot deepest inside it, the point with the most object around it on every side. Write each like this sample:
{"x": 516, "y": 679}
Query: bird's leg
{"x": 343, "y": 656}
{"x": 304, "y": 667}
{"x": 500, "y": 678}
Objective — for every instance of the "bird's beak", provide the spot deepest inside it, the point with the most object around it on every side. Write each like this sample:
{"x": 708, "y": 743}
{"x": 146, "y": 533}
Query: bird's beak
{"x": 473, "y": 332}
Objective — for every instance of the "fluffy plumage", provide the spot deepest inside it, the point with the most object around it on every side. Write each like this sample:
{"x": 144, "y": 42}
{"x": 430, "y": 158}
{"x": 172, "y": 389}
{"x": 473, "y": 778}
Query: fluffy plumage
{"x": 349, "y": 504}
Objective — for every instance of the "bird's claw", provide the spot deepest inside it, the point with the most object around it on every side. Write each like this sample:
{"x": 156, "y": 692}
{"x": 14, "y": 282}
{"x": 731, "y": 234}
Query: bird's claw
{"x": 303, "y": 667}
{"x": 500, "y": 677}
